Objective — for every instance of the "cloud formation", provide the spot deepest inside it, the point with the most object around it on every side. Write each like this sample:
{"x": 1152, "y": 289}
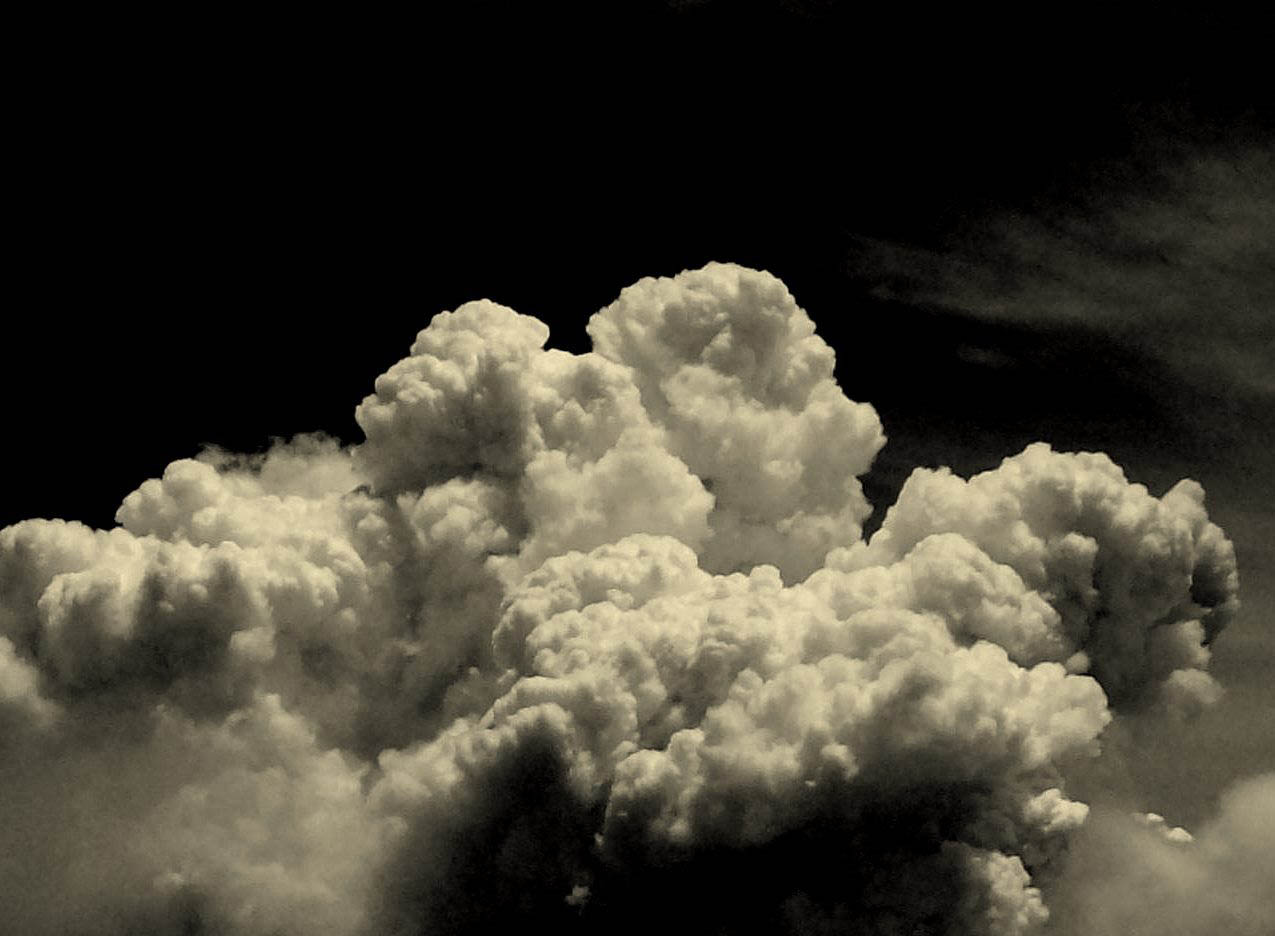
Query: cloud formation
{"x": 582, "y": 638}
{"x": 1134, "y": 874}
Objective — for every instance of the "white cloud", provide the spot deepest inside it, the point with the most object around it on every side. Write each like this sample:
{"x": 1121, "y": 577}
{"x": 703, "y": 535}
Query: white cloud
{"x": 1140, "y": 584}
{"x": 731, "y": 366}
{"x": 567, "y": 631}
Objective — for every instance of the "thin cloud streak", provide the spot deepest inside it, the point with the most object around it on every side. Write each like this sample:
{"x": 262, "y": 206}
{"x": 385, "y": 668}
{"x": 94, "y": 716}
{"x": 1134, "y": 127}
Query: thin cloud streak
{"x": 1177, "y": 263}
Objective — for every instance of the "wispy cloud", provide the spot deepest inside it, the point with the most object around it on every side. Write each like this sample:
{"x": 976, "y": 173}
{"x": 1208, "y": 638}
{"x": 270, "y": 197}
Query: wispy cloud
{"x": 1178, "y": 260}
{"x": 1135, "y": 874}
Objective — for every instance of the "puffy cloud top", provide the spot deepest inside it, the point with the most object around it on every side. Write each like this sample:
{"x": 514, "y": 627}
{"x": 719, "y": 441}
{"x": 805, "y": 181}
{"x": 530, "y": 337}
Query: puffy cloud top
{"x": 1140, "y": 584}
{"x": 730, "y": 365}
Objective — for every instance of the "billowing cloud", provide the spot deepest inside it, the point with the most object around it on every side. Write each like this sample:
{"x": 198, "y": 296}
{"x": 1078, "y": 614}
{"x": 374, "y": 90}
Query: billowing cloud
{"x": 1139, "y": 585}
{"x": 580, "y": 639}
{"x": 732, "y": 367}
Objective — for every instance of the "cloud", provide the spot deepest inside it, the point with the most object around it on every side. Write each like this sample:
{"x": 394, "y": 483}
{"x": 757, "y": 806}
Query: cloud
{"x": 1140, "y": 585}
{"x": 1173, "y": 260}
{"x": 1134, "y": 874}
{"x": 729, "y": 364}
{"x": 581, "y": 639}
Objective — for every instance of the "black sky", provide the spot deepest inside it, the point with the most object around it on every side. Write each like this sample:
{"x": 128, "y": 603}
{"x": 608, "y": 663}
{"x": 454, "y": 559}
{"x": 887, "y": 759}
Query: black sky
{"x": 226, "y": 228}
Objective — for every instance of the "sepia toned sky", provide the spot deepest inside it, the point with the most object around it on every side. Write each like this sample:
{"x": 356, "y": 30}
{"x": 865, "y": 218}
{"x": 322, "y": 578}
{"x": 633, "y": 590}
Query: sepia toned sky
{"x": 1049, "y": 228}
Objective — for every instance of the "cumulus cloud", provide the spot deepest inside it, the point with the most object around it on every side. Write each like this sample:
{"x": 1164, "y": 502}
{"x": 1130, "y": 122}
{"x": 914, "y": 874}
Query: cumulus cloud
{"x": 731, "y": 366}
{"x": 1138, "y": 585}
{"x": 569, "y": 631}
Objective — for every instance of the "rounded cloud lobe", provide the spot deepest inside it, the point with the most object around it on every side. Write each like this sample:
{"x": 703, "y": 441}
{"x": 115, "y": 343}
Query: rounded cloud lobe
{"x": 732, "y": 368}
{"x": 589, "y": 640}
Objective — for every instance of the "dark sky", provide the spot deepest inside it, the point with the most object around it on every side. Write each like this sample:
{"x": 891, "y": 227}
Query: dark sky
{"x": 225, "y": 229}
